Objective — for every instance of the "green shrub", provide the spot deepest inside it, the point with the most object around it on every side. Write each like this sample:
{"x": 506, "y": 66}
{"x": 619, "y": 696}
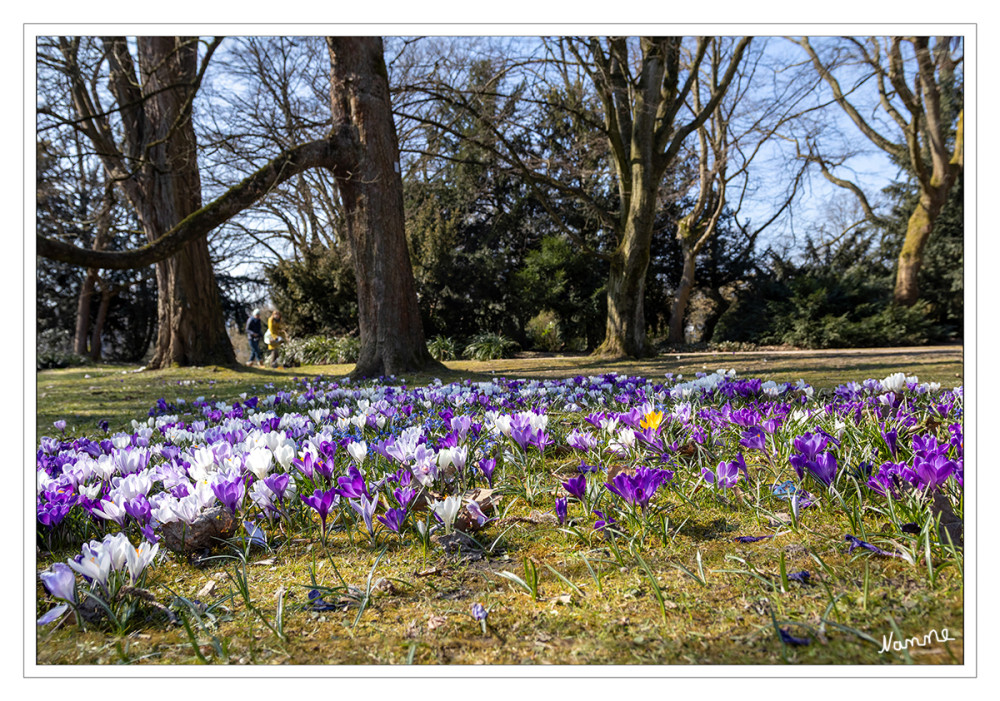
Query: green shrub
{"x": 50, "y": 360}
{"x": 544, "y": 331}
{"x": 320, "y": 350}
{"x": 442, "y": 348}
{"x": 490, "y": 346}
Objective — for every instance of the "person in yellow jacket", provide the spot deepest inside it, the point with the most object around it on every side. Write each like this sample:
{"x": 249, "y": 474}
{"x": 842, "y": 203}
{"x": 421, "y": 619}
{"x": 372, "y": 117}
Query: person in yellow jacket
{"x": 277, "y": 331}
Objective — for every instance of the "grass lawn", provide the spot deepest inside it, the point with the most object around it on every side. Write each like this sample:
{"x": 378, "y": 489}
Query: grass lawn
{"x": 675, "y": 588}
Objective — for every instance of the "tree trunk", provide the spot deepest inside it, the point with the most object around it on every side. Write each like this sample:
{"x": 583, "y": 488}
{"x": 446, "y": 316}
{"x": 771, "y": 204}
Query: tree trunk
{"x": 911, "y": 258}
{"x": 679, "y": 307}
{"x": 719, "y": 307}
{"x": 83, "y": 312}
{"x": 392, "y": 336}
{"x": 191, "y": 328}
{"x": 625, "y": 331}
{"x": 102, "y": 315}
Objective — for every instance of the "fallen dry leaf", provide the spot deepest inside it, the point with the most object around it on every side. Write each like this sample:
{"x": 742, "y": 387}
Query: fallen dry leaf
{"x": 436, "y": 622}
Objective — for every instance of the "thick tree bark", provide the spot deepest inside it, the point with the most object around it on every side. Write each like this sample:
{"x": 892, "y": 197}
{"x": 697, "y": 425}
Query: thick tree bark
{"x": 625, "y": 331}
{"x": 392, "y": 336}
{"x": 191, "y": 327}
{"x": 911, "y": 257}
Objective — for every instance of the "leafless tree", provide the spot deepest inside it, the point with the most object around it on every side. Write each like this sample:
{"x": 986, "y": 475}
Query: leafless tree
{"x": 917, "y": 85}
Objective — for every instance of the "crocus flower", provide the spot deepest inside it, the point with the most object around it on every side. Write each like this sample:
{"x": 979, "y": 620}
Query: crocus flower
{"x": 479, "y": 612}
{"x": 137, "y": 559}
{"x": 230, "y": 493}
{"x": 824, "y": 468}
{"x": 487, "y": 465}
{"x": 891, "y": 437}
{"x": 576, "y": 486}
{"x": 322, "y": 502}
{"x": 639, "y": 487}
{"x": 476, "y": 510}
{"x": 447, "y": 511}
{"x": 810, "y": 445}
{"x": 353, "y": 484}
{"x": 358, "y": 451}
{"x": 790, "y": 639}
{"x": 754, "y": 438}
{"x": 259, "y": 461}
{"x": 367, "y": 510}
{"x": 94, "y": 563}
{"x": 652, "y": 420}
{"x": 581, "y": 440}
{"x": 278, "y": 483}
{"x": 404, "y": 496}
{"x": 60, "y": 424}
{"x": 60, "y": 582}
{"x": 139, "y": 509}
{"x": 393, "y": 519}
{"x": 932, "y": 473}
{"x": 603, "y": 521}
{"x": 725, "y": 476}
{"x": 561, "y": 509}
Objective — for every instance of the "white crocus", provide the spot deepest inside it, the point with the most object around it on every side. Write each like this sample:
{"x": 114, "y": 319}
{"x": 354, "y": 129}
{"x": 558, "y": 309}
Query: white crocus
{"x": 894, "y": 382}
{"x": 358, "y": 450}
{"x": 95, "y": 563}
{"x": 284, "y": 454}
{"x": 138, "y": 559}
{"x": 259, "y": 462}
{"x": 447, "y": 511}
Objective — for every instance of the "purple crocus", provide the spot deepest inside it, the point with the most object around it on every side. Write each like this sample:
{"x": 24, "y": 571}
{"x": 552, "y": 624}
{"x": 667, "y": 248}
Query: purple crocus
{"x": 891, "y": 438}
{"x": 810, "y": 445}
{"x": 393, "y": 519}
{"x": 824, "y": 468}
{"x": 230, "y": 493}
{"x": 322, "y": 502}
{"x": 277, "y": 483}
{"x": 576, "y": 486}
{"x": 603, "y": 521}
{"x": 790, "y": 639}
{"x": 754, "y": 438}
{"x": 60, "y": 581}
{"x": 932, "y": 473}
{"x": 404, "y": 496}
{"x": 640, "y": 487}
{"x": 487, "y": 466}
{"x": 139, "y": 509}
{"x": 726, "y": 475}
{"x": 353, "y": 484}
{"x": 561, "y": 509}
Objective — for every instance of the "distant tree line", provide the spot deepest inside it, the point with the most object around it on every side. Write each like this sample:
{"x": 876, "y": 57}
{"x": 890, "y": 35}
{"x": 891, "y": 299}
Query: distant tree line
{"x": 571, "y": 193}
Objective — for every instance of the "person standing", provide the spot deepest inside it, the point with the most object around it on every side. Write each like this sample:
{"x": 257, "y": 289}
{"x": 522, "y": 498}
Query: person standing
{"x": 277, "y": 330}
{"x": 255, "y": 332}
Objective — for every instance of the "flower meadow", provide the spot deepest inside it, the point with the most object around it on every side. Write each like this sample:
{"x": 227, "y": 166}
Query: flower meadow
{"x": 620, "y": 474}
